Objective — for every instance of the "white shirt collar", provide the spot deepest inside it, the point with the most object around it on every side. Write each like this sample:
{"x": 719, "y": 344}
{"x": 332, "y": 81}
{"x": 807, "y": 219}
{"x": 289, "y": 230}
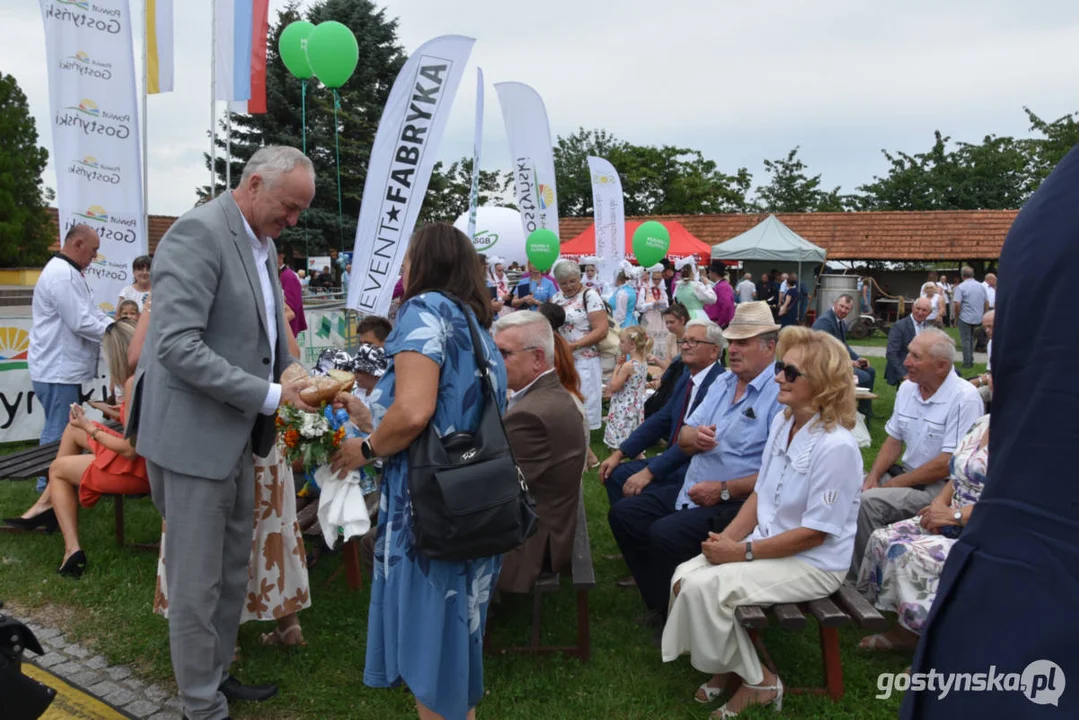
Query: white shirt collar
{"x": 259, "y": 245}
{"x": 697, "y": 377}
{"x": 518, "y": 394}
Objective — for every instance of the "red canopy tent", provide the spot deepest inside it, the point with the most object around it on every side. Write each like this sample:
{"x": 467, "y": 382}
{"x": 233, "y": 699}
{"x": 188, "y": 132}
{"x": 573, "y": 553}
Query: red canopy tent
{"x": 682, "y": 242}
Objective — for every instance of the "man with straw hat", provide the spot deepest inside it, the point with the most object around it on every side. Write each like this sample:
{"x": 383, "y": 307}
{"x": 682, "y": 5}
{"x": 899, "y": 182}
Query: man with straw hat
{"x": 725, "y": 437}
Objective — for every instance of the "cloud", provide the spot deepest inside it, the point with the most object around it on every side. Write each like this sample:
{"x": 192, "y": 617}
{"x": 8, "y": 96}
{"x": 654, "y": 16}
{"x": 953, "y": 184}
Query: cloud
{"x": 740, "y": 81}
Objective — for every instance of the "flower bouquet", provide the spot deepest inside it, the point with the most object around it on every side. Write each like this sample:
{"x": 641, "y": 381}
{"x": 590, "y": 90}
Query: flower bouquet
{"x": 313, "y": 439}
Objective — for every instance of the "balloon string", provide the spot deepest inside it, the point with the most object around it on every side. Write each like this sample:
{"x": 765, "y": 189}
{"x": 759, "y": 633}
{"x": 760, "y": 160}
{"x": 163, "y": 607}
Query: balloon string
{"x": 303, "y": 125}
{"x": 337, "y": 148}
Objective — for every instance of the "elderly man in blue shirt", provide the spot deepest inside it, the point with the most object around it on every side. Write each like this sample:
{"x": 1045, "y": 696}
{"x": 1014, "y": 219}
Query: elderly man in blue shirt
{"x": 725, "y": 436}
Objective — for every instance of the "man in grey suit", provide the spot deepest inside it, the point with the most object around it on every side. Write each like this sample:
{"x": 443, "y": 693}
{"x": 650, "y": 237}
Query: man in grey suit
{"x": 204, "y": 400}
{"x": 899, "y": 338}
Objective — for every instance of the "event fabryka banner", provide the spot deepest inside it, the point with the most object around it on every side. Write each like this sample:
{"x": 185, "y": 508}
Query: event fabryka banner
{"x": 95, "y": 134}
{"x": 477, "y": 145}
{"x": 403, "y": 154}
{"x": 609, "y": 215}
{"x": 532, "y": 156}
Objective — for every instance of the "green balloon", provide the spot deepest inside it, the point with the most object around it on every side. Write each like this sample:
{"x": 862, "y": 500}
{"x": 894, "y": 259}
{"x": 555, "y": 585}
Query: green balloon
{"x": 542, "y": 249}
{"x": 293, "y": 48}
{"x": 333, "y": 53}
{"x": 650, "y": 243}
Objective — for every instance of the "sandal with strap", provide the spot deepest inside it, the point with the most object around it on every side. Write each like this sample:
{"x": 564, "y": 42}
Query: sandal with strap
{"x": 277, "y": 637}
{"x": 709, "y": 693}
{"x": 724, "y": 714}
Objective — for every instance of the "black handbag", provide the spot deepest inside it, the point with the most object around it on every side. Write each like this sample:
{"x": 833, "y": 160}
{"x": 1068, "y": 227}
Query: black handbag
{"x": 469, "y": 498}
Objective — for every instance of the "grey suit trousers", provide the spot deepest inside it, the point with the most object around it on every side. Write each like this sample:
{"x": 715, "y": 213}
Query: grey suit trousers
{"x": 208, "y": 546}
{"x": 882, "y": 506}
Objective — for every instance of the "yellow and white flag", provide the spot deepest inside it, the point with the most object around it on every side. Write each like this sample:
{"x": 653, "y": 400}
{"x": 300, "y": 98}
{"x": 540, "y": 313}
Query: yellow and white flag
{"x": 159, "y": 68}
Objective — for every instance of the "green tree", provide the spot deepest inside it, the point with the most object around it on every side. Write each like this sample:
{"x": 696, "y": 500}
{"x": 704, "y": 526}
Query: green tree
{"x": 362, "y": 99}
{"x": 999, "y": 173}
{"x": 791, "y": 190}
{"x": 448, "y": 191}
{"x": 25, "y": 230}
{"x": 655, "y": 180}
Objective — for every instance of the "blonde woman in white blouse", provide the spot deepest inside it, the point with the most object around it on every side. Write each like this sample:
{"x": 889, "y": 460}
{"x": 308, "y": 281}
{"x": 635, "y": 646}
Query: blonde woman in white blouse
{"x": 793, "y": 538}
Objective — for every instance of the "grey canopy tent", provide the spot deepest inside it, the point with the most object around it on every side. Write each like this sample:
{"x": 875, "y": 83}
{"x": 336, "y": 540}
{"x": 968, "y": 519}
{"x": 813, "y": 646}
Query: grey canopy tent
{"x": 770, "y": 239}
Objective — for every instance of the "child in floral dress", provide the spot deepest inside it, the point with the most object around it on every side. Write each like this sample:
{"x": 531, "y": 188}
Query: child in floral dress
{"x": 627, "y": 386}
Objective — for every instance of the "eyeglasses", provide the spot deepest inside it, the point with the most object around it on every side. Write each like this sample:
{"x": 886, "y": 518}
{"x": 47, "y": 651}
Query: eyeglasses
{"x": 691, "y": 343}
{"x": 507, "y": 353}
{"x": 789, "y": 371}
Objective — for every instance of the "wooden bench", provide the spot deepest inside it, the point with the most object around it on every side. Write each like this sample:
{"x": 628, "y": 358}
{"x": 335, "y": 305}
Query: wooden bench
{"x": 583, "y": 575}
{"x": 118, "y": 514}
{"x": 843, "y": 607}
{"x": 30, "y": 463}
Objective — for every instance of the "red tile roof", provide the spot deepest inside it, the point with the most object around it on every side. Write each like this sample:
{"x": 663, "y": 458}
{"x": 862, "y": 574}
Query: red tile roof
{"x": 933, "y": 235}
{"x": 936, "y": 235}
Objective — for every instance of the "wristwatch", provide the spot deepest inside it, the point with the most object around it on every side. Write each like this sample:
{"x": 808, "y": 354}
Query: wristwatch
{"x": 749, "y": 551}
{"x": 367, "y": 450}
{"x": 958, "y": 516}
{"x": 724, "y": 493}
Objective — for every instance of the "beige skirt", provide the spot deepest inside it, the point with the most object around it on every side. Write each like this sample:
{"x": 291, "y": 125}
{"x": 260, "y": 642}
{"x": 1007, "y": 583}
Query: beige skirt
{"x": 277, "y": 583}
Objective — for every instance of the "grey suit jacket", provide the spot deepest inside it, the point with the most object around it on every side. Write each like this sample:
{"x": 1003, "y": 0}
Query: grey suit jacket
{"x": 898, "y": 338}
{"x": 204, "y": 370}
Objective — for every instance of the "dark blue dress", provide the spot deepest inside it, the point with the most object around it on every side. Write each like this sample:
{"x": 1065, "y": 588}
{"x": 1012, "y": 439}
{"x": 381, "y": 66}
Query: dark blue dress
{"x": 425, "y": 625}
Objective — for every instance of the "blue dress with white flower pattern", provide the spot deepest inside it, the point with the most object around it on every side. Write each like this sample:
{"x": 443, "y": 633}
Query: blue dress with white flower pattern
{"x": 426, "y": 620}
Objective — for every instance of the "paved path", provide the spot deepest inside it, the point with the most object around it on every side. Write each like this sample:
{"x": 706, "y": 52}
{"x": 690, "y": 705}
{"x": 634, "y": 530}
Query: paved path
{"x": 115, "y": 684}
{"x": 880, "y": 352}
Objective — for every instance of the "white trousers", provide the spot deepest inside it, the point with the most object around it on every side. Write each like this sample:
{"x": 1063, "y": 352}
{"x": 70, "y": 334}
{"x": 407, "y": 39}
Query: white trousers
{"x": 591, "y": 372}
{"x": 701, "y": 622}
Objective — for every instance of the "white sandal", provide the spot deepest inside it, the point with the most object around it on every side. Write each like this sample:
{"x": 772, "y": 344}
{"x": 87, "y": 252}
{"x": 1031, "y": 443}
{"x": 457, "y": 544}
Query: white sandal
{"x": 724, "y": 714}
{"x": 711, "y": 693}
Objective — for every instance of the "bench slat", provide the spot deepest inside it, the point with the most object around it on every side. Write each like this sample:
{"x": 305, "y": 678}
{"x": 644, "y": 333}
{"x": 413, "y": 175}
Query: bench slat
{"x": 867, "y": 617}
{"x": 584, "y": 574}
{"x": 751, "y": 616}
{"x": 548, "y": 582}
{"x": 827, "y": 613}
{"x": 789, "y": 616}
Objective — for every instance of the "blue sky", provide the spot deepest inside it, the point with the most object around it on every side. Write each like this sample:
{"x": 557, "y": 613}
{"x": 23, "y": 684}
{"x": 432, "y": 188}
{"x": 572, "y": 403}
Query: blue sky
{"x": 739, "y": 81}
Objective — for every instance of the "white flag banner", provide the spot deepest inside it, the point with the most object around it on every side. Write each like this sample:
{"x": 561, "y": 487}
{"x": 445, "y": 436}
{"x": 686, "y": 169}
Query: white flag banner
{"x": 609, "y": 215}
{"x": 477, "y": 145}
{"x": 95, "y": 134}
{"x": 402, "y": 157}
{"x": 529, "y": 137}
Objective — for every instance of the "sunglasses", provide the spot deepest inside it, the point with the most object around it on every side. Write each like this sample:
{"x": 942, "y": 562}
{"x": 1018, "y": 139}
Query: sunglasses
{"x": 789, "y": 371}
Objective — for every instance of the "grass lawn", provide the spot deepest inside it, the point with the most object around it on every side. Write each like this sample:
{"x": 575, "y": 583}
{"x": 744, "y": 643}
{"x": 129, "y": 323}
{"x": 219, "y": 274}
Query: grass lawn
{"x": 109, "y": 611}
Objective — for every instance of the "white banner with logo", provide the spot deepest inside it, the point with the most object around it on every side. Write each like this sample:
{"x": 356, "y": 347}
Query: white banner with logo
{"x": 403, "y": 154}
{"x": 609, "y": 215}
{"x": 477, "y": 145}
{"x": 21, "y": 416}
{"x": 95, "y": 133}
{"x": 529, "y": 137}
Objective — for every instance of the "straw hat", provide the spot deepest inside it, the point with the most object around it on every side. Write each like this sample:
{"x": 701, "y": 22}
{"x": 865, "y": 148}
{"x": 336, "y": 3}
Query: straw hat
{"x": 750, "y": 320}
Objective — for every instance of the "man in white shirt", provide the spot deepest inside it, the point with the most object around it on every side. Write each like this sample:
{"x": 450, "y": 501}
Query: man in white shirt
{"x": 934, "y": 409}
{"x": 970, "y": 302}
{"x": 746, "y": 290}
{"x": 990, "y": 285}
{"x": 65, "y": 338}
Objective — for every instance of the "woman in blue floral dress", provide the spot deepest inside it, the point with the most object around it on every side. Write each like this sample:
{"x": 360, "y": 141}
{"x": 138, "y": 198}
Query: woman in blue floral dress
{"x": 903, "y": 561}
{"x": 427, "y": 617}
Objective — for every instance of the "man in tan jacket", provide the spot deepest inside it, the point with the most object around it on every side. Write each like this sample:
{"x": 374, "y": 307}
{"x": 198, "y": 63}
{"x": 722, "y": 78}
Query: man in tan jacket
{"x": 546, "y": 430}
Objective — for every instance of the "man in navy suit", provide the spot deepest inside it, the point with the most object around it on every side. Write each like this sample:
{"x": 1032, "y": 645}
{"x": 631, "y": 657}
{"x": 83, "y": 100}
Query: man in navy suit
{"x": 832, "y": 322}
{"x": 1007, "y": 594}
{"x": 669, "y": 468}
{"x": 899, "y": 337}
